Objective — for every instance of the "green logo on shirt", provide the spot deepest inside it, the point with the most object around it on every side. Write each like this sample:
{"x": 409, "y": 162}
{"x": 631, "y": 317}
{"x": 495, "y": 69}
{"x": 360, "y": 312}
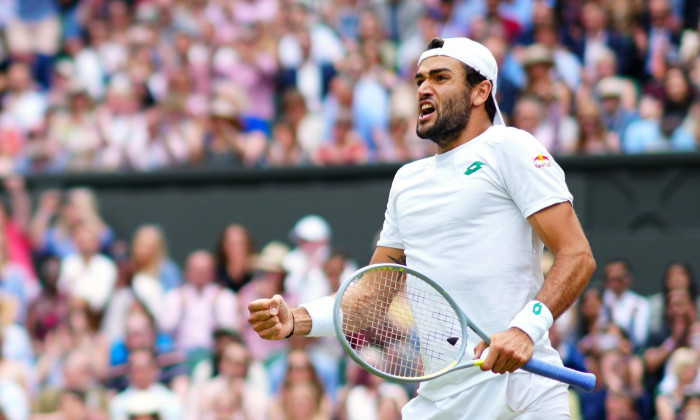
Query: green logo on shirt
{"x": 474, "y": 167}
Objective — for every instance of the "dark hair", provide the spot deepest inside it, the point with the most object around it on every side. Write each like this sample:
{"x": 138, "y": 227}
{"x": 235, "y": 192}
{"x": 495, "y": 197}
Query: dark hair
{"x": 618, "y": 260}
{"x": 692, "y": 284}
{"x": 473, "y": 77}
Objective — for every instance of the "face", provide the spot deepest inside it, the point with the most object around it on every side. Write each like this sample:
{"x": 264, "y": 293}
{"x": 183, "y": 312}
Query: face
{"x": 677, "y": 278}
{"x": 86, "y": 240}
{"x": 527, "y": 116}
{"x": 617, "y": 277}
{"x": 200, "y": 269}
{"x": 234, "y": 361}
{"x": 301, "y": 402}
{"x": 235, "y": 238}
{"x": 299, "y": 367}
{"x": 676, "y": 85}
{"x": 146, "y": 245}
{"x": 142, "y": 369}
{"x": 444, "y": 101}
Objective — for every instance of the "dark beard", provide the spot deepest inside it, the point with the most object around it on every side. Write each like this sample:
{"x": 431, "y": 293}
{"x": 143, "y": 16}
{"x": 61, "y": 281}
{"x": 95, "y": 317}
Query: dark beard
{"x": 451, "y": 121}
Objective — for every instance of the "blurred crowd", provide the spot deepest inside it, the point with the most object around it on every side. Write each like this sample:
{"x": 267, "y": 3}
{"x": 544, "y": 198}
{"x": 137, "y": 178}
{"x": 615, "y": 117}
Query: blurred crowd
{"x": 140, "y": 85}
{"x": 95, "y": 326}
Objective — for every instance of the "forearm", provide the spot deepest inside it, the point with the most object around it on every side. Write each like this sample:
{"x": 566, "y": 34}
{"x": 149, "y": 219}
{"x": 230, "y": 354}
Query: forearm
{"x": 566, "y": 280}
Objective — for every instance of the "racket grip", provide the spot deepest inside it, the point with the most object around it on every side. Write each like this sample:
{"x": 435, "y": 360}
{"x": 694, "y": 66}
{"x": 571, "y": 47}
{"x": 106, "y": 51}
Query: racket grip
{"x": 582, "y": 380}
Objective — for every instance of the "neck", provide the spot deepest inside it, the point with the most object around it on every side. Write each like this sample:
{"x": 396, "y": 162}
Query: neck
{"x": 474, "y": 128}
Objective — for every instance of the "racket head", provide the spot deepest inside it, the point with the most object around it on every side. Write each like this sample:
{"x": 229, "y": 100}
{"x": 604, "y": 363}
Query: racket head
{"x": 399, "y": 324}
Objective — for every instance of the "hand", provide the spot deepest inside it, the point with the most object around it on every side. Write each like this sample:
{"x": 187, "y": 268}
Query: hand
{"x": 509, "y": 350}
{"x": 271, "y": 318}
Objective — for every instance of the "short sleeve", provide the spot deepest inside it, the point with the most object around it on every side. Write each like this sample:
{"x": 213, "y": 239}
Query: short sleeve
{"x": 530, "y": 175}
{"x": 390, "y": 236}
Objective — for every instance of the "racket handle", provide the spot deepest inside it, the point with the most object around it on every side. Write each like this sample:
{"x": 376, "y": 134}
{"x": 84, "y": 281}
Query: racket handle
{"x": 583, "y": 380}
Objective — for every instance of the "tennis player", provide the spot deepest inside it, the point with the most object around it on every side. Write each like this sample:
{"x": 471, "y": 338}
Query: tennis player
{"x": 475, "y": 218}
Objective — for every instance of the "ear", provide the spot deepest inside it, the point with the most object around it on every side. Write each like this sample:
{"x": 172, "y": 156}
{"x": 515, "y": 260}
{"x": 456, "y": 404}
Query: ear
{"x": 481, "y": 92}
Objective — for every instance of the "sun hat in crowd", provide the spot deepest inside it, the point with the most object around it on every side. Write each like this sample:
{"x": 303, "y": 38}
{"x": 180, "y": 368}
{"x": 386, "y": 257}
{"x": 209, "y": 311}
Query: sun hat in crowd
{"x": 537, "y": 54}
{"x": 271, "y": 257}
{"x": 610, "y": 87}
{"x": 475, "y": 56}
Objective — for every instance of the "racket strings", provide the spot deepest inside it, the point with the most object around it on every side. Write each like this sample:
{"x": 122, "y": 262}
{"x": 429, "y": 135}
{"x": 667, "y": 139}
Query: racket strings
{"x": 399, "y": 324}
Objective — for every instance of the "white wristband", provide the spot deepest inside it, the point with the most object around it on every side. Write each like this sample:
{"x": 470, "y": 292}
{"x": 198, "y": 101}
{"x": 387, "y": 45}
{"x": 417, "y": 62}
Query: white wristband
{"x": 321, "y": 313}
{"x": 534, "y": 319}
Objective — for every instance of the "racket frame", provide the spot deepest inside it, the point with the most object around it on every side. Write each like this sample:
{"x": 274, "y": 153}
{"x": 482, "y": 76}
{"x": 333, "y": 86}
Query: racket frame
{"x": 463, "y": 320}
{"x": 583, "y": 380}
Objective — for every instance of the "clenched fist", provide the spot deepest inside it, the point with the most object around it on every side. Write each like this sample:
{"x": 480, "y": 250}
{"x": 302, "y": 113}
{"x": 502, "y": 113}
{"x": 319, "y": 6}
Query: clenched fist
{"x": 271, "y": 318}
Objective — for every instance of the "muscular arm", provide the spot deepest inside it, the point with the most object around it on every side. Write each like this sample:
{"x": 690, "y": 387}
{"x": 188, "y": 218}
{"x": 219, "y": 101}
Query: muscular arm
{"x": 561, "y": 232}
{"x": 273, "y": 319}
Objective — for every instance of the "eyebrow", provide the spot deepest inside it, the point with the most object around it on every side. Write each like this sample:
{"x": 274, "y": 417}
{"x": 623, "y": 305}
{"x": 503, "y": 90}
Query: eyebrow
{"x": 433, "y": 72}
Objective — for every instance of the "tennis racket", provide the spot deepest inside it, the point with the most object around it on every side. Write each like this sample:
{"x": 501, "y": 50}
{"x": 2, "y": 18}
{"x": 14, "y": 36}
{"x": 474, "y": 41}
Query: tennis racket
{"x": 402, "y": 326}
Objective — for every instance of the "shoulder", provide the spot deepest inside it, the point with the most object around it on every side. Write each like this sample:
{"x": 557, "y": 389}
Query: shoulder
{"x": 414, "y": 168}
{"x": 513, "y": 143}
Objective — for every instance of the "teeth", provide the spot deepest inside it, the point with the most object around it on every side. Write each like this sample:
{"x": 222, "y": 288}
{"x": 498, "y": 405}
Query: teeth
{"x": 426, "y": 106}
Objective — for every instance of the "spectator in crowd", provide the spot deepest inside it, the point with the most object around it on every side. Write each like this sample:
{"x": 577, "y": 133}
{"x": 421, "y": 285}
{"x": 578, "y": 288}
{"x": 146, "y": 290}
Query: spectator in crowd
{"x": 141, "y": 333}
{"x": 345, "y": 146}
{"x": 14, "y": 226}
{"x": 655, "y": 133}
{"x": 149, "y": 254}
{"x": 76, "y": 130}
{"x": 78, "y": 333}
{"x": 680, "y": 314}
{"x": 88, "y": 274}
{"x": 682, "y": 381}
{"x": 677, "y": 275}
{"x": 14, "y": 283}
{"x": 554, "y": 94}
{"x": 615, "y": 116}
{"x": 284, "y": 149}
{"x": 593, "y": 137}
{"x": 658, "y": 39}
{"x": 23, "y": 101}
{"x": 226, "y": 143}
{"x": 249, "y": 401}
{"x": 50, "y": 309}
{"x": 78, "y": 388}
{"x": 304, "y": 263}
{"x": 302, "y": 395}
{"x": 144, "y": 387}
{"x": 627, "y": 309}
{"x": 194, "y": 310}
{"x": 54, "y": 223}
{"x": 235, "y": 250}
{"x": 123, "y": 126}
{"x": 598, "y": 35}
{"x": 529, "y": 115}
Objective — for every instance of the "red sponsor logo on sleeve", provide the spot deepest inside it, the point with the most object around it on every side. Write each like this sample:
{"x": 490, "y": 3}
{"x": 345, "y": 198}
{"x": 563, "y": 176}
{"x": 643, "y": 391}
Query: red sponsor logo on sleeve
{"x": 542, "y": 161}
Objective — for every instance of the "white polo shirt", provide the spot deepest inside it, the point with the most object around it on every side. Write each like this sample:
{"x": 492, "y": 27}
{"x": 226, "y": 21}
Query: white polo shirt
{"x": 461, "y": 218}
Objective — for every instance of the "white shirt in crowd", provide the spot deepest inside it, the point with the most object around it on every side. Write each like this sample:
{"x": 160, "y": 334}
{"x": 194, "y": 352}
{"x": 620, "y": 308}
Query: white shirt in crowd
{"x": 193, "y": 315}
{"x": 631, "y": 312}
{"x": 92, "y": 280}
{"x": 168, "y": 404}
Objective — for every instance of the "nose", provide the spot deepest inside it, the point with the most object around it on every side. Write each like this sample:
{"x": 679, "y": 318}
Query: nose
{"x": 425, "y": 90}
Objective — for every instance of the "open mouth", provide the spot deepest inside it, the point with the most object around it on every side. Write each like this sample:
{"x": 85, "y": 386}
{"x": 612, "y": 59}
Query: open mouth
{"x": 426, "y": 110}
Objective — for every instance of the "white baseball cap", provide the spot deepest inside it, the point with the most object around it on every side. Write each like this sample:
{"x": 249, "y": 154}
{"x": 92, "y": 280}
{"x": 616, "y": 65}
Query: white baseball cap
{"x": 475, "y": 56}
{"x": 311, "y": 228}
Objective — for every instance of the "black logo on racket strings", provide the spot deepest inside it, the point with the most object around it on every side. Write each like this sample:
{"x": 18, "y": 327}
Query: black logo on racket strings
{"x": 453, "y": 340}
